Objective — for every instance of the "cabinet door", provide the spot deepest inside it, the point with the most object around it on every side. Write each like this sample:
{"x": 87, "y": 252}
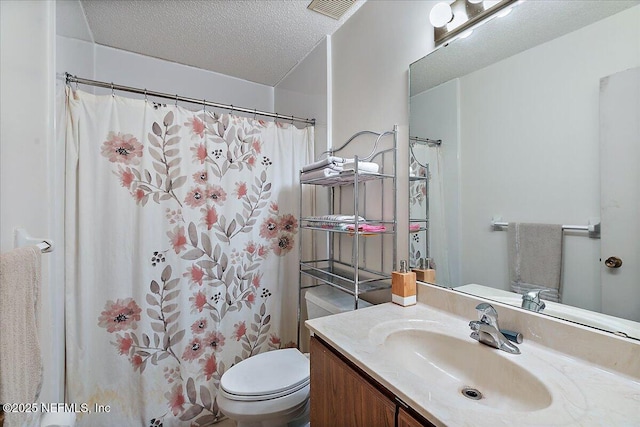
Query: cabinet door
{"x": 341, "y": 397}
{"x": 406, "y": 420}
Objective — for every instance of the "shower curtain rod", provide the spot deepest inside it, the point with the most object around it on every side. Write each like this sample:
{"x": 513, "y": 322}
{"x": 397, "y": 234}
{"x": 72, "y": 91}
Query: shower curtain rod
{"x": 425, "y": 141}
{"x": 75, "y": 79}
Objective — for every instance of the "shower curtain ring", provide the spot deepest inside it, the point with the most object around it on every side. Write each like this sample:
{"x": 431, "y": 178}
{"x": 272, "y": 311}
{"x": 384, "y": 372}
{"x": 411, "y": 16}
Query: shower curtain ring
{"x": 254, "y": 113}
{"x": 113, "y": 93}
{"x": 176, "y": 99}
{"x": 145, "y": 95}
{"x": 292, "y": 119}
{"x": 231, "y": 111}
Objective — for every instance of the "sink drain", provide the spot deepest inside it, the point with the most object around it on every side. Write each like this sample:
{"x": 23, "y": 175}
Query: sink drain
{"x": 471, "y": 393}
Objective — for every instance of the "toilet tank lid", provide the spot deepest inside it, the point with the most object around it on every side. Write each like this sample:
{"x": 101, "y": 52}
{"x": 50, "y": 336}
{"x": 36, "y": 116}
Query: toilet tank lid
{"x": 267, "y": 373}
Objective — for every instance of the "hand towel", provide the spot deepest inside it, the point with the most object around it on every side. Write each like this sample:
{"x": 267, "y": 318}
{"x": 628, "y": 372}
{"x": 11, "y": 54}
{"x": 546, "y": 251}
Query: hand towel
{"x": 535, "y": 258}
{"x": 20, "y": 357}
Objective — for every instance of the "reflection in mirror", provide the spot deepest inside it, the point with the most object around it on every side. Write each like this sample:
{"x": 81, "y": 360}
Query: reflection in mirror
{"x": 419, "y": 210}
{"x": 518, "y": 109}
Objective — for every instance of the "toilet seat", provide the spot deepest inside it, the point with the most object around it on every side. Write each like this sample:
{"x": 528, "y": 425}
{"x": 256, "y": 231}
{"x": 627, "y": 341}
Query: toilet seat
{"x": 266, "y": 376}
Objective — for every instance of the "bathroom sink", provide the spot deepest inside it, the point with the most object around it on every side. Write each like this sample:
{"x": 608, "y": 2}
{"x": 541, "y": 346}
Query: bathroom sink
{"x": 465, "y": 371}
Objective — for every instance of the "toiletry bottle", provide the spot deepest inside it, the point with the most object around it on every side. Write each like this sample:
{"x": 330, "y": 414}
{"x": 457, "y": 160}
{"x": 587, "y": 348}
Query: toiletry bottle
{"x": 403, "y": 286}
{"x": 424, "y": 272}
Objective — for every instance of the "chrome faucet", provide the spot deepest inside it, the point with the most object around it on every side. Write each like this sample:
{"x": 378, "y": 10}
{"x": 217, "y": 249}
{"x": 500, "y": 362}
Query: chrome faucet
{"x": 487, "y": 331}
{"x": 531, "y": 301}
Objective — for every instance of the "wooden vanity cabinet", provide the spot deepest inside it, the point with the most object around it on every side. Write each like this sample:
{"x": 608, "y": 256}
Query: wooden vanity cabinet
{"x": 344, "y": 395}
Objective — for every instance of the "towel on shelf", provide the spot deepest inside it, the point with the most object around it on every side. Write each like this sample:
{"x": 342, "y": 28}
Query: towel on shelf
{"x": 367, "y": 228}
{"x": 331, "y": 161}
{"x": 20, "y": 356}
{"x": 339, "y": 222}
{"x": 362, "y": 167}
{"x": 535, "y": 258}
{"x": 321, "y": 176}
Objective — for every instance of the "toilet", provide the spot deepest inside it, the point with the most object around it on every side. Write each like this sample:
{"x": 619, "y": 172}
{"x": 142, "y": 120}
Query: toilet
{"x": 271, "y": 389}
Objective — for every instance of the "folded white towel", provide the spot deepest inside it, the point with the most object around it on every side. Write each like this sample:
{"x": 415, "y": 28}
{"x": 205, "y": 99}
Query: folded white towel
{"x": 329, "y": 161}
{"x": 336, "y": 221}
{"x": 320, "y": 176}
{"x": 362, "y": 167}
{"x": 20, "y": 357}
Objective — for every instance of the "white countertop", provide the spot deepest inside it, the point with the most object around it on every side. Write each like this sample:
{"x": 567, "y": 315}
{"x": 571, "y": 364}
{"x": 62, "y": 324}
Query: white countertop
{"x": 583, "y": 394}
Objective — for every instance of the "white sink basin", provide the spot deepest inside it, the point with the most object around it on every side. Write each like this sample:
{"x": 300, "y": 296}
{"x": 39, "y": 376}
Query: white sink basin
{"x": 455, "y": 364}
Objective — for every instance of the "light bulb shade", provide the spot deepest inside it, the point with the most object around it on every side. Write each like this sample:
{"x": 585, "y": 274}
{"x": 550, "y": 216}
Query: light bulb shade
{"x": 440, "y": 15}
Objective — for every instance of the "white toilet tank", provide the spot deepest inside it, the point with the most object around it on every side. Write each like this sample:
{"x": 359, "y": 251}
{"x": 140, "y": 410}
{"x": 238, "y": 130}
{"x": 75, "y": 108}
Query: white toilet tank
{"x": 325, "y": 300}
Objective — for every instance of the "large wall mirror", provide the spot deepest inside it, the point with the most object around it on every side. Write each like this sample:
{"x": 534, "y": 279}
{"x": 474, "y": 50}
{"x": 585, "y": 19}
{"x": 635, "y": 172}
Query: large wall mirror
{"x": 531, "y": 110}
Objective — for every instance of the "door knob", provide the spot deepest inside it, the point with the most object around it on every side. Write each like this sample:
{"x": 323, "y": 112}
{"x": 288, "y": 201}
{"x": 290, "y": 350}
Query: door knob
{"x": 613, "y": 262}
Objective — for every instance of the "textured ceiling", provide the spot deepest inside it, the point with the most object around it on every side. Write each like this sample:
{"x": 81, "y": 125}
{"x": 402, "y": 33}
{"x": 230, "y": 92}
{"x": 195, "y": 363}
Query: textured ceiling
{"x": 529, "y": 24}
{"x": 255, "y": 40}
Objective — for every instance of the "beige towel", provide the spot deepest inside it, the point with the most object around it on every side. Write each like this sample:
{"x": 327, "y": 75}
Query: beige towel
{"x": 535, "y": 259}
{"x": 20, "y": 358}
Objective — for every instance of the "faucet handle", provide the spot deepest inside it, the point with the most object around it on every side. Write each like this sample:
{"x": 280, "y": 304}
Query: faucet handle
{"x": 488, "y": 314}
{"x": 531, "y": 300}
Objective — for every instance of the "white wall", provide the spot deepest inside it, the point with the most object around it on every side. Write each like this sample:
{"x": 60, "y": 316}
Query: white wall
{"x": 27, "y": 32}
{"x": 131, "y": 69}
{"x": 550, "y": 134}
{"x": 371, "y": 54}
{"x": 303, "y": 91}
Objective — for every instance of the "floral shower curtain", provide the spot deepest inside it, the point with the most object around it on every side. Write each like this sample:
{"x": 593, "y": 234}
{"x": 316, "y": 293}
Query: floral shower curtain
{"x": 181, "y": 238}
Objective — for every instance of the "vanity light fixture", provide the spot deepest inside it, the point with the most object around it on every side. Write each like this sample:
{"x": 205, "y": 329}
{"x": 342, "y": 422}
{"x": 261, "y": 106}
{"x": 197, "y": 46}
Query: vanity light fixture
{"x": 451, "y": 19}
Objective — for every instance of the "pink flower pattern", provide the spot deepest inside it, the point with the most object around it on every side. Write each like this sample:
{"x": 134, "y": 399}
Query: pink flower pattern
{"x": 210, "y": 217}
{"x": 196, "y": 197}
{"x": 240, "y": 330}
{"x": 210, "y": 366}
{"x": 199, "y": 300}
{"x": 176, "y": 399}
{"x": 269, "y": 228}
{"x": 178, "y": 239}
{"x": 216, "y": 193}
{"x": 200, "y": 153}
{"x": 195, "y": 275}
{"x": 199, "y": 326}
{"x": 241, "y": 190}
{"x": 120, "y": 315}
{"x": 193, "y": 350}
{"x": 124, "y": 344}
{"x": 122, "y": 148}
{"x": 197, "y": 126}
{"x": 215, "y": 340}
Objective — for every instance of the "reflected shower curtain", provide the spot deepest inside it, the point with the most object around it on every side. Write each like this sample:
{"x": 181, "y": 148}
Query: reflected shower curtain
{"x": 181, "y": 239}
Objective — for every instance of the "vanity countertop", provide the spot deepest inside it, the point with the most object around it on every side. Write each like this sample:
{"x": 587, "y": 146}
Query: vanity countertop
{"x": 580, "y": 393}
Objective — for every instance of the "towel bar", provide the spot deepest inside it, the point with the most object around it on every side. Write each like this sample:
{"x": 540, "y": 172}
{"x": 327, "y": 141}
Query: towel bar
{"x": 22, "y": 238}
{"x": 593, "y": 228}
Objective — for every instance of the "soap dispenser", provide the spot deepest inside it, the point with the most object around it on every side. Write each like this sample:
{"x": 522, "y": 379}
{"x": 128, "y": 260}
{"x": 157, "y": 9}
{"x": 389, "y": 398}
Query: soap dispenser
{"x": 424, "y": 271}
{"x": 403, "y": 286}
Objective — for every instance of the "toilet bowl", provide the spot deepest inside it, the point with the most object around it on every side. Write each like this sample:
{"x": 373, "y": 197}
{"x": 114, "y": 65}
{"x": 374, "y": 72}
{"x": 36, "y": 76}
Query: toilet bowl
{"x": 267, "y": 390}
{"x": 272, "y": 389}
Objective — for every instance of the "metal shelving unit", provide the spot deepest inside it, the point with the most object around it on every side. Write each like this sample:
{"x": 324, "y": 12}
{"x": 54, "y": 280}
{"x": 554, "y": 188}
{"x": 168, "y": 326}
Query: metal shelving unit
{"x": 350, "y": 265}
